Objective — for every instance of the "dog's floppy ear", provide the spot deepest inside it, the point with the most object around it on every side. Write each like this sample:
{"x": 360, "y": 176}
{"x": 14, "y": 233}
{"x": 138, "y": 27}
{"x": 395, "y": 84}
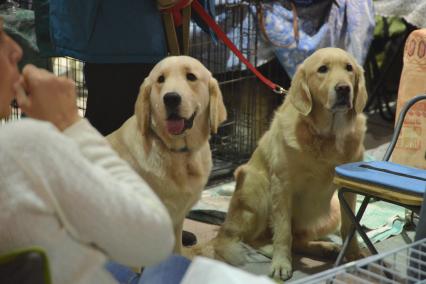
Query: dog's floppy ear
{"x": 143, "y": 111}
{"x": 217, "y": 107}
{"x": 360, "y": 92}
{"x": 299, "y": 94}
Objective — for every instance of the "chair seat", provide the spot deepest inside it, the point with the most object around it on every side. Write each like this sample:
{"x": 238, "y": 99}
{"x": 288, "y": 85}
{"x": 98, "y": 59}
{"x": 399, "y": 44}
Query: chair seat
{"x": 384, "y": 179}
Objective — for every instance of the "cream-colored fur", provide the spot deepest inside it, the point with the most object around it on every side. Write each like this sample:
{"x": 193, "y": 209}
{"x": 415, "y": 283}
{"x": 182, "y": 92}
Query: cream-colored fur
{"x": 175, "y": 166}
{"x": 284, "y": 195}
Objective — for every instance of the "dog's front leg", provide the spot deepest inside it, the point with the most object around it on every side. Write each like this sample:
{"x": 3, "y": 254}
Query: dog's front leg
{"x": 281, "y": 266}
{"x": 353, "y": 252}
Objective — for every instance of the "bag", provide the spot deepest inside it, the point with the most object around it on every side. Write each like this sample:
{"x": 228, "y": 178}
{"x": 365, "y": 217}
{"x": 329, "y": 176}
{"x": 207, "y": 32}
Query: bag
{"x": 284, "y": 25}
{"x": 411, "y": 147}
{"x": 296, "y": 28}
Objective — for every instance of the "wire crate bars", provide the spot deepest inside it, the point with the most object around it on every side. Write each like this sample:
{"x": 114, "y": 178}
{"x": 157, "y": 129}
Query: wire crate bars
{"x": 406, "y": 265}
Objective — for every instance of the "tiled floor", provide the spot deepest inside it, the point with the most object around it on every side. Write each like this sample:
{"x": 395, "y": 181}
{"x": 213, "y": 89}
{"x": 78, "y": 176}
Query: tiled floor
{"x": 378, "y": 133}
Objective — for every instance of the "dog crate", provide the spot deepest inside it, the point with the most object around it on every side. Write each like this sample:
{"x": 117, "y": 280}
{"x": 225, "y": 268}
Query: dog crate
{"x": 404, "y": 265}
{"x": 250, "y": 104}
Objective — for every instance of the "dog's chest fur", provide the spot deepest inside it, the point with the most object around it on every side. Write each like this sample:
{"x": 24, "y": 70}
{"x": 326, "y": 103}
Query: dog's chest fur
{"x": 310, "y": 161}
{"x": 177, "y": 178}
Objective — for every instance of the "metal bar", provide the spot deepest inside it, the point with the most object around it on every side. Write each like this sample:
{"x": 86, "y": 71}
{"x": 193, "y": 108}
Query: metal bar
{"x": 355, "y": 220}
{"x": 410, "y": 261}
{"x": 377, "y": 276}
{"x": 389, "y": 273}
{"x": 360, "y": 280}
{"x": 396, "y": 255}
{"x": 392, "y": 172}
{"x": 422, "y": 253}
{"x": 338, "y": 281}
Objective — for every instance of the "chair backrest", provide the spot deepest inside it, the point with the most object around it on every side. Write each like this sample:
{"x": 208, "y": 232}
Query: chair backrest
{"x": 27, "y": 266}
{"x": 411, "y": 147}
{"x": 398, "y": 126}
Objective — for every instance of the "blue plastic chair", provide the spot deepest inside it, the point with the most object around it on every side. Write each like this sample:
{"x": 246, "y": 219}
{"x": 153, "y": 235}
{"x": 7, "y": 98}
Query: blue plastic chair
{"x": 381, "y": 180}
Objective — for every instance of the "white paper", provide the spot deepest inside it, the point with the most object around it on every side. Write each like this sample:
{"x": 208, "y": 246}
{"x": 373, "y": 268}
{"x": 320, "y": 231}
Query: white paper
{"x": 209, "y": 271}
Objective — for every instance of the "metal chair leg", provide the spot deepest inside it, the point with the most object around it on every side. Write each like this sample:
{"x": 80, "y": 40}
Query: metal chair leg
{"x": 352, "y": 229}
{"x": 355, "y": 225}
{"x": 345, "y": 246}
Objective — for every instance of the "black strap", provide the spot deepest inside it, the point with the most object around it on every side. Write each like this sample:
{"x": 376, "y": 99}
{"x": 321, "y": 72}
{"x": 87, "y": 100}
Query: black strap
{"x": 391, "y": 172}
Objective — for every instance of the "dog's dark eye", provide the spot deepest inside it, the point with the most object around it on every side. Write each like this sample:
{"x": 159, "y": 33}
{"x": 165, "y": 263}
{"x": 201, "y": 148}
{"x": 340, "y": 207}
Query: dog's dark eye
{"x": 191, "y": 77}
{"x": 349, "y": 67}
{"x": 161, "y": 79}
{"x": 323, "y": 69}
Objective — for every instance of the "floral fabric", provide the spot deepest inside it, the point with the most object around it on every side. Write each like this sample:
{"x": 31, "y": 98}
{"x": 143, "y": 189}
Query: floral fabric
{"x": 348, "y": 25}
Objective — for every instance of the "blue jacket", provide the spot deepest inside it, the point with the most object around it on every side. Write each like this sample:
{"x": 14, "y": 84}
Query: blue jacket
{"x": 103, "y": 31}
{"x": 107, "y": 31}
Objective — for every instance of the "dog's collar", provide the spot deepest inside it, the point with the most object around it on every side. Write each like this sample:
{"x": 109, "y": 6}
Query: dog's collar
{"x": 180, "y": 150}
{"x": 184, "y": 149}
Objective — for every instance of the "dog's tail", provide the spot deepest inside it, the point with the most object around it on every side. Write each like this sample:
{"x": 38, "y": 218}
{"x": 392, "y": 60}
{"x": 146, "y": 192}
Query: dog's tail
{"x": 229, "y": 249}
{"x": 220, "y": 248}
{"x": 227, "y": 245}
{"x": 241, "y": 221}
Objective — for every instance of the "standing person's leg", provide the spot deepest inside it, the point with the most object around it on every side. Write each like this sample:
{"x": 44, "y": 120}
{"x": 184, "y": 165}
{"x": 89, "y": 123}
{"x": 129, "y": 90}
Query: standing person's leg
{"x": 112, "y": 92}
{"x": 170, "y": 271}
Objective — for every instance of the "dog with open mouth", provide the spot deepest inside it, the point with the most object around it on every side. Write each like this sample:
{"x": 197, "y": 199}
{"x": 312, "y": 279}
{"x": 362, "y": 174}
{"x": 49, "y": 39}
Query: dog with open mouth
{"x": 166, "y": 141}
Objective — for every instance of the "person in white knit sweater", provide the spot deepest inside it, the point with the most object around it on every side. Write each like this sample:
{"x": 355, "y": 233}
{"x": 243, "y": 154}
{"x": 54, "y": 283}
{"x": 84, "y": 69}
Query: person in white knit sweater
{"x": 62, "y": 188}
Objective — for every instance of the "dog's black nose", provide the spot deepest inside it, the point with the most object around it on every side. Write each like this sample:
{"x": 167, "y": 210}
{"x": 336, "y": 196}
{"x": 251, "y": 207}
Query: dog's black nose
{"x": 342, "y": 90}
{"x": 342, "y": 94}
{"x": 172, "y": 100}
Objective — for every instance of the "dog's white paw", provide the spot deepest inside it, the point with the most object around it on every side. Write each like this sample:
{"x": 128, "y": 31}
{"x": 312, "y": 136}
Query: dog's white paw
{"x": 281, "y": 268}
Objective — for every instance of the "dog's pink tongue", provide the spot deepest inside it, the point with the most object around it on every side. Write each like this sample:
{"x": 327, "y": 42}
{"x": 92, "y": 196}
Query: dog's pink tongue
{"x": 175, "y": 126}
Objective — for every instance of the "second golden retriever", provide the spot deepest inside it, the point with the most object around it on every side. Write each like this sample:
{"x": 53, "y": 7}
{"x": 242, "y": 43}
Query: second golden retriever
{"x": 284, "y": 195}
{"x": 166, "y": 141}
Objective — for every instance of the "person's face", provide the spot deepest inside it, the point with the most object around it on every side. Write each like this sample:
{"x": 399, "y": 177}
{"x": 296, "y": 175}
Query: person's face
{"x": 10, "y": 54}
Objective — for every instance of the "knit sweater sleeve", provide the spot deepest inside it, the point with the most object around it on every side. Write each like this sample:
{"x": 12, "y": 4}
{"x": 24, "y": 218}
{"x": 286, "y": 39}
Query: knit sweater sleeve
{"x": 127, "y": 219}
{"x": 105, "y": 201}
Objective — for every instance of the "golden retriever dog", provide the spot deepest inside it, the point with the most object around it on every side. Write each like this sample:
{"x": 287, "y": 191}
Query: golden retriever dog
{"x": 166, "y": 141}
{"x": 284, "y": 194}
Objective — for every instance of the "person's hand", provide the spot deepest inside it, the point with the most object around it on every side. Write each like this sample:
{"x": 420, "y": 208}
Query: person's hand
{"x": 49, "y": 98}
